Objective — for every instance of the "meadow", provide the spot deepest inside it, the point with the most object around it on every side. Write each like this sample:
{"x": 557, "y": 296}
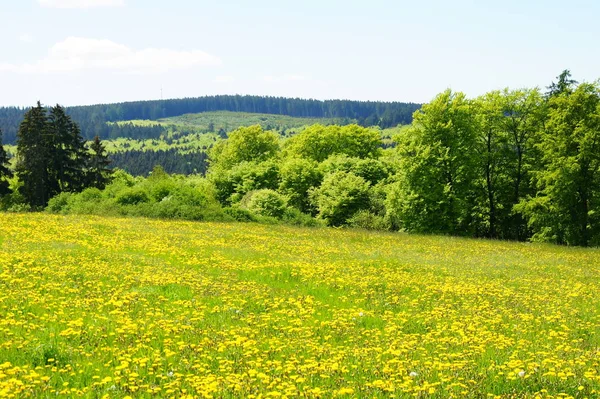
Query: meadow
{"x": 121, "y": 308}
{"x": 228, "y": 120}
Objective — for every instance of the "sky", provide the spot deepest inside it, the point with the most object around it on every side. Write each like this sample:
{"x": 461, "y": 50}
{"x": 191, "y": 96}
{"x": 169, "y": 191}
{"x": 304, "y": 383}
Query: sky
{"x": 77, "y": 52}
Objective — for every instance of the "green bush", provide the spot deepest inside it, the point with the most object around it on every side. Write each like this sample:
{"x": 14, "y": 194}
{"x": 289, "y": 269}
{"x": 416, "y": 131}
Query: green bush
{"x": 367, "y": 220}
{"x": 132, "y": 196}
{"x": 59, "y": 203}
{"x": 266, "y": 203}
{"x": 341, "y": 195}
{"x": 239, "y": 214}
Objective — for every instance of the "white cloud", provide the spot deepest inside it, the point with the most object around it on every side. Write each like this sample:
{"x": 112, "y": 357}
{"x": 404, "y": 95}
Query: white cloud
{"x": 76, "y": 53}
{"x": 81, "y": 3}
{"x": 26, "y": 38}
{"x": 283, "y": 78}
{"x": 224, "y": 79}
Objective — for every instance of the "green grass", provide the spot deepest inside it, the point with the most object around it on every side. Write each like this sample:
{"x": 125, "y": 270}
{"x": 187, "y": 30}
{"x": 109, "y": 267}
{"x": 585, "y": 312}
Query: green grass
{"x": 97, "y": 306}
{"x": 229, "y": 121}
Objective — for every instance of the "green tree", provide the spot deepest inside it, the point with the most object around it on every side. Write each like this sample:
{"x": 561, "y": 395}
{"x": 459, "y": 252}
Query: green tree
{"x": 507, "y": 124}
{"x": 298, "y": 176}
{"x": 5, "y": 172}
{"x": 566, "y": 208}
{"x": 232, "y": 184}
{"x": 34, "y": 154}
{"x": 437, "y": 190}
{"x": 98, "y": 171}
{"x": 246, "y": 144}
{"x": 318, "y": 142}
{"x": 340, "y": 196}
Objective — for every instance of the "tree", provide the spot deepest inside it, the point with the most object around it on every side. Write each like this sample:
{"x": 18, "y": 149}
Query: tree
{"x": 246, "y": 144}
{"x": 319, "y": 142}
{"x": 566, "y": 207}
{"x": 508, "y": 122}
{"x": 232, "y": 184}
{"x": 5, "y": 172}
{"x": 98, "y": 172}
{"x": 298, "y": 176}
{"x": 69, "y": 155}
{"x": 437, "y": 185}
{"x": 34, "y": 154}
{"x": 564, "y": 84}
{"x": 340, "y": 196}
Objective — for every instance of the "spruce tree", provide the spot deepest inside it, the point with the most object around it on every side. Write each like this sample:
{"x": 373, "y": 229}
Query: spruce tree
{"x": 98, "y": 171}
{"x": 34, "y": 154}
{"x": 69, "y": 156}
{"x": 5, "y": 172}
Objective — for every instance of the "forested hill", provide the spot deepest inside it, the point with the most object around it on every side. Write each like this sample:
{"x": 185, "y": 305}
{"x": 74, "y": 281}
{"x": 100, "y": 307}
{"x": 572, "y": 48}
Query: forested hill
{"x": 93, "y": 118}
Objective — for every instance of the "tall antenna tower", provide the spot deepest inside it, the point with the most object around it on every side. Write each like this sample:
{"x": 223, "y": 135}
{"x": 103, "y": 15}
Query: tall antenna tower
{"x": 161, "y": 93}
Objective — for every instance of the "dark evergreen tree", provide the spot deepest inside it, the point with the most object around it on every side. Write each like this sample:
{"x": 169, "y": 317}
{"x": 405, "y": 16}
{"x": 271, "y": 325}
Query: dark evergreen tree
{"x": 99, "y": 173}
{"x": 69, "y": 155}
{"x": 34, "y": 154}
{"x": 5, "y": 172}
{"x": 564, "y": 84}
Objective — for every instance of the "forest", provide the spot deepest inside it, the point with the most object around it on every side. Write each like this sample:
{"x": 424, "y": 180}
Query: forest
{"x": 512, "y": 164}
{"x": 93, "y": 119}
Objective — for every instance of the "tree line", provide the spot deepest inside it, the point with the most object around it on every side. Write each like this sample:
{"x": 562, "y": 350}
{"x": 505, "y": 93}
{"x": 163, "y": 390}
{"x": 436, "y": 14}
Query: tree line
{"x": 511, "y": 164}
{"x": 52, "y": 157}
{"x": 93, "y": 119}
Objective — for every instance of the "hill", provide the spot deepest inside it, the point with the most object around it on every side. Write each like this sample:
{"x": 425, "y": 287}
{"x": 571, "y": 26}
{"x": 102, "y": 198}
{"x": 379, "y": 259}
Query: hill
{"x": 93, "y": 119}
{"x": 134, "y": 307}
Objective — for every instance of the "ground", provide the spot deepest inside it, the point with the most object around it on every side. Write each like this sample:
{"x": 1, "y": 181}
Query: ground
{"x": 111, "y": 307}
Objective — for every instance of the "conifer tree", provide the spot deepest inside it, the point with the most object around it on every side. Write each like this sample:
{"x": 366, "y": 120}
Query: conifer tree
{"x": 98, "y": 171}
{"x": 34, "y": 154}
{"x": 5, "y": 172}
{"x": 69, "y": 155}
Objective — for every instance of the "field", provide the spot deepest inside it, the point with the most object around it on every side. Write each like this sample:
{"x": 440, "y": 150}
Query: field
{"x": 101, "y": 307}
{"x": 228, "y": 121}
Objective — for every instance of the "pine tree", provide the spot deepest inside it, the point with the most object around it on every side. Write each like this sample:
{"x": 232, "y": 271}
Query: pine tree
{"x": 5, "y": 172}
{"x": 69, "y": 156}
{"x": 98, "y": 171}
{"x": 34, "y": 154}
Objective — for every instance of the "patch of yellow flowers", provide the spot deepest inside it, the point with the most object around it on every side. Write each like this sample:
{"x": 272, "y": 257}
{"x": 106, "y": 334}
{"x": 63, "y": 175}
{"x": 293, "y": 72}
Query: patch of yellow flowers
{"x": 125, "y": 308}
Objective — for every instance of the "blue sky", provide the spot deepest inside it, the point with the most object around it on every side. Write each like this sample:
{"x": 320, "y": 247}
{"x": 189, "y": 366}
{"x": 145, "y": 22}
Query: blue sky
{"x": 96, "y": 51}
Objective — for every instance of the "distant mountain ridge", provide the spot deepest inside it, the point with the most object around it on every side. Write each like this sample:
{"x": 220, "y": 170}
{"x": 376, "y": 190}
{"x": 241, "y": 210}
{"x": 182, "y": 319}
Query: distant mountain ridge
{"x": 92, "y": 118}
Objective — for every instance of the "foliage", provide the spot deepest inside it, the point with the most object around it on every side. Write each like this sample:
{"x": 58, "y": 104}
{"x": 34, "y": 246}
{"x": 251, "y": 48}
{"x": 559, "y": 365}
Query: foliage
{"x": 318, "y": 142}
{"x": 93, "y": 119}
{"x": 439, "y": 168}
{"x": 298, "y": 176}
{"x": 246, "y": 144}
{"x": 341, "y": 195}
{"x": 566, "y": 207}
{"x": 265, "y": 202}
{"x": 372, "y": 170}
{"x": 5, "y": 172}
{"x": 232, "y": 184}
{"x": 52, "y": 157}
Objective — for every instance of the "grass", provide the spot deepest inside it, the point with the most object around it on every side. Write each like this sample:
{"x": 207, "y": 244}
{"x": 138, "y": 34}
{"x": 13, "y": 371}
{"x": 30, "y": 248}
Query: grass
{"x": 198, "y": 132}
{"x": 107, "y": 307}
{"x": 228, "y": 121}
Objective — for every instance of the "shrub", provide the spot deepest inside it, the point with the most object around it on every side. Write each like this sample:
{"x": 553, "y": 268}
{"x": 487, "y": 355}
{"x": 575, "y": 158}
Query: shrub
{"x": 239, "y": 214}
{"x": 266, "y": 203}
{"x": 367, "y": 220}
{"x": 340, "y": 196}
{"x": 59, "y": 203}
{"x": 132, "y": 196}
